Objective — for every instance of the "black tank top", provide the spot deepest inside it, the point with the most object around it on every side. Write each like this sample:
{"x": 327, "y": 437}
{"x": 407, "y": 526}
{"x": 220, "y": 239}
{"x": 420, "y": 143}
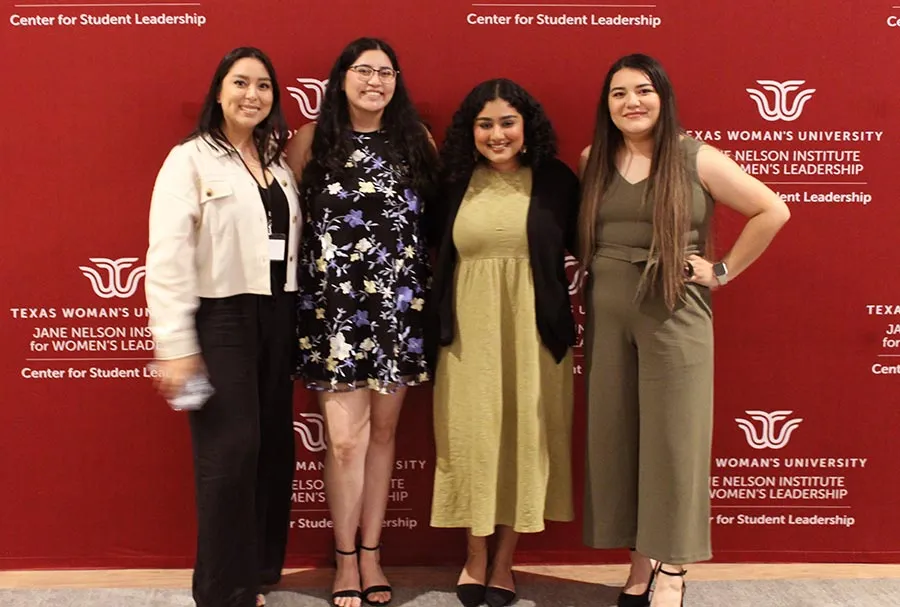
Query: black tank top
{"x": 280, "y": 225}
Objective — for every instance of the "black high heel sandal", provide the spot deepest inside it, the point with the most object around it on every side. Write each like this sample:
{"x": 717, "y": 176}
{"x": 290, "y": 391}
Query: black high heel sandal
{"x": 680, "y": 574}
{"x": 340, "y": 594}
{"x": 637, "y": 600}
{"x": 373, "y": 589}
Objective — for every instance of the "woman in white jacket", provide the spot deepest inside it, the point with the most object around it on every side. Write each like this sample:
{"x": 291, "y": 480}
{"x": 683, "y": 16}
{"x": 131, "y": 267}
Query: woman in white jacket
{"x": 221, "y": 283}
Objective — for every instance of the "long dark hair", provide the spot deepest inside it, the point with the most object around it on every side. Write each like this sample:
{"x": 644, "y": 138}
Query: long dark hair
{"x": 668, "y": 186}
{"x": 458, "y": 154}
{"x": 332, "y": 142}
{"x": 269, "y": 136}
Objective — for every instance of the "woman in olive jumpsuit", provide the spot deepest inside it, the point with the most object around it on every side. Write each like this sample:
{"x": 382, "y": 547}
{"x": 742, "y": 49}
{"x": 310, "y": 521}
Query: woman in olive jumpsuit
{"x": 648, "y": 193}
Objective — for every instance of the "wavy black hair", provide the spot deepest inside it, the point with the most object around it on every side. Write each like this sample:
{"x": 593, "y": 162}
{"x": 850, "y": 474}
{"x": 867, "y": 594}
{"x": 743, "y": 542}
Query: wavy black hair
{"x": 269, "y": 136}
{"x": 332, "y": 142}
{"x": 458, "y": 154}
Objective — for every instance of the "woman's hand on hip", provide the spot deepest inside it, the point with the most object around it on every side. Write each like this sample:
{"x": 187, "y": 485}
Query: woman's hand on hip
{"x": 700, "y": 271}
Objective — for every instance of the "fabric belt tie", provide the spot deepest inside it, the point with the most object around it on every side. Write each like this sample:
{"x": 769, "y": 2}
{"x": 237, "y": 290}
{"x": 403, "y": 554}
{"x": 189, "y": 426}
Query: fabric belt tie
{"x": 636, "y": 255}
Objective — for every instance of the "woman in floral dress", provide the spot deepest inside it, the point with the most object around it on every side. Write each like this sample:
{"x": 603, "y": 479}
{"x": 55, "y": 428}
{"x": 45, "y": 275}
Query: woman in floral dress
{"x": 365, "y": 168}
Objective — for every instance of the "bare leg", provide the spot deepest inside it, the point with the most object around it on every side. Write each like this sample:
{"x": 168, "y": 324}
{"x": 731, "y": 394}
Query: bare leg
{"x": 385, "y": 412}
{"x": 668, "y": 589}
{"x": 639, "y": 574}
{"x": 501, "y": 567}
{"x": 347, "y": 423}
{"x": 475, "y": 569}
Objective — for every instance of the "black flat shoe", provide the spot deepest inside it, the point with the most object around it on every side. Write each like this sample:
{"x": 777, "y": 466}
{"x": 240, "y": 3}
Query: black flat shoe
{"x": 470, "y": 595}
{"x": 499, "y": 597}
{"x": 637, "y": 600}
{"x": 495, "y": 596}
{"x": 374, "y": 589}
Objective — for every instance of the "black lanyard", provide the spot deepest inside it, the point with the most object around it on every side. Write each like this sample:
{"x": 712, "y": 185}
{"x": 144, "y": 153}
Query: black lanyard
{"x": 265, "y": 194}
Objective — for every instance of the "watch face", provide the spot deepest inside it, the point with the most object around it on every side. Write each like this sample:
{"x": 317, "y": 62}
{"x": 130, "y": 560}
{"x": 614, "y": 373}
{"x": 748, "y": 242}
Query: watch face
{"x": 719, "y": 269}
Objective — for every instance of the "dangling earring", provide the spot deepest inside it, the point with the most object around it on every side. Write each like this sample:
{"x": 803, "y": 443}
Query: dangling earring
{"x": 524, "y": 150}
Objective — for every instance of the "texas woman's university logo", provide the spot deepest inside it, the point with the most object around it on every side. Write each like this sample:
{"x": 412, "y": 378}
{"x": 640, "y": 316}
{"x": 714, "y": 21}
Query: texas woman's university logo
{"x": 311, "y": 430}
{"x": 577, "y": 276}
{"x": 310, "y": 106}
{"x": 114, "y": 277}
{"x": 768, "y": 435}
{"x": 780, "y": 107}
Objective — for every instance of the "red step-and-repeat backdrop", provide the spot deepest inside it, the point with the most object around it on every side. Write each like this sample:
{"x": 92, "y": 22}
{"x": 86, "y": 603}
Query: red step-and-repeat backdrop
{"x": 95, "y": 468}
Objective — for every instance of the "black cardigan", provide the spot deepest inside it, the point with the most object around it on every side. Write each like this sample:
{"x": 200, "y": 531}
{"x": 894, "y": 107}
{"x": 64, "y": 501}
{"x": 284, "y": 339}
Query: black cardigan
{"x": 551, "y": 228}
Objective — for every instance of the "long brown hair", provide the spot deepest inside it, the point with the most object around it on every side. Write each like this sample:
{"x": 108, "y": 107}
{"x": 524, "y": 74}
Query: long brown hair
{"x": 668, "y": 186}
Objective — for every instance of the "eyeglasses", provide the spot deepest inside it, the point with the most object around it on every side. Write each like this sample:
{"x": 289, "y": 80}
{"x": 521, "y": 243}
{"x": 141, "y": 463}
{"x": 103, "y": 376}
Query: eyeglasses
{"x": 364, "y": 72}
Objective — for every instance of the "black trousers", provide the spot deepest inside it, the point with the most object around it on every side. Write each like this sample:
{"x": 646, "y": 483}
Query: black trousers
{"x": 243, "y": 444}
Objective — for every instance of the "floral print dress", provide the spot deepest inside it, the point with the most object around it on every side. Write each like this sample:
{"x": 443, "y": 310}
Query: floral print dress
{"x": 363, "y": 277}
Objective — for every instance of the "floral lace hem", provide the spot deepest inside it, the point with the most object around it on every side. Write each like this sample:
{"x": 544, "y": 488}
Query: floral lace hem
{"x": 376, "y": 385}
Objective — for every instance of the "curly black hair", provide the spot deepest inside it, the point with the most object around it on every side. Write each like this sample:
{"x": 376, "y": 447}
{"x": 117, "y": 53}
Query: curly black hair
{"x": 332, "y": 142}
{"x": 458, "y": 154}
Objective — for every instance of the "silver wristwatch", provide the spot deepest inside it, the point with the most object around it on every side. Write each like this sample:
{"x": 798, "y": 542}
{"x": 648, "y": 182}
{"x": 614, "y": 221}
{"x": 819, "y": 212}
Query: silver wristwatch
{"x": 720, "y": 271}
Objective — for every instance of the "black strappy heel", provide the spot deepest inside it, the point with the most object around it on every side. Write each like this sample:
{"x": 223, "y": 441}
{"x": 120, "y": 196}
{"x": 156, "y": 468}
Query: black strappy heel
{"x": 367, "y": 592}
{"x": 637, "y": 600}
{"x": 341, "y": 594}
{"x": 680, "y": 574}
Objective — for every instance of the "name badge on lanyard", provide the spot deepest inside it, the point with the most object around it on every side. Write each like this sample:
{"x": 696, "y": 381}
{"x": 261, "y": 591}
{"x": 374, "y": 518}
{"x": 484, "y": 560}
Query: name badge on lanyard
{"x": 277, "y": 242}
{"x": 277, "y": 247}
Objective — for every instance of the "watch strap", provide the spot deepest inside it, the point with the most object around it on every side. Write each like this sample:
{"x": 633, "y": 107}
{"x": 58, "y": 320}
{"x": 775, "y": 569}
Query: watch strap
{"x": 720, "y": 271}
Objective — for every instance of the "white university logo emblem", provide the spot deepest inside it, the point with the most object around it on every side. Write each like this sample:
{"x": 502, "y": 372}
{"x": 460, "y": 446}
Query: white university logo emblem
{"x": 309, "y": 106}
{"x": 577, "y": 277}
{"x": 312, "y": 431}
{"x": 114, "y": 277}
{"x": 768, "y": 435}
{"x": 779, "y": 109}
